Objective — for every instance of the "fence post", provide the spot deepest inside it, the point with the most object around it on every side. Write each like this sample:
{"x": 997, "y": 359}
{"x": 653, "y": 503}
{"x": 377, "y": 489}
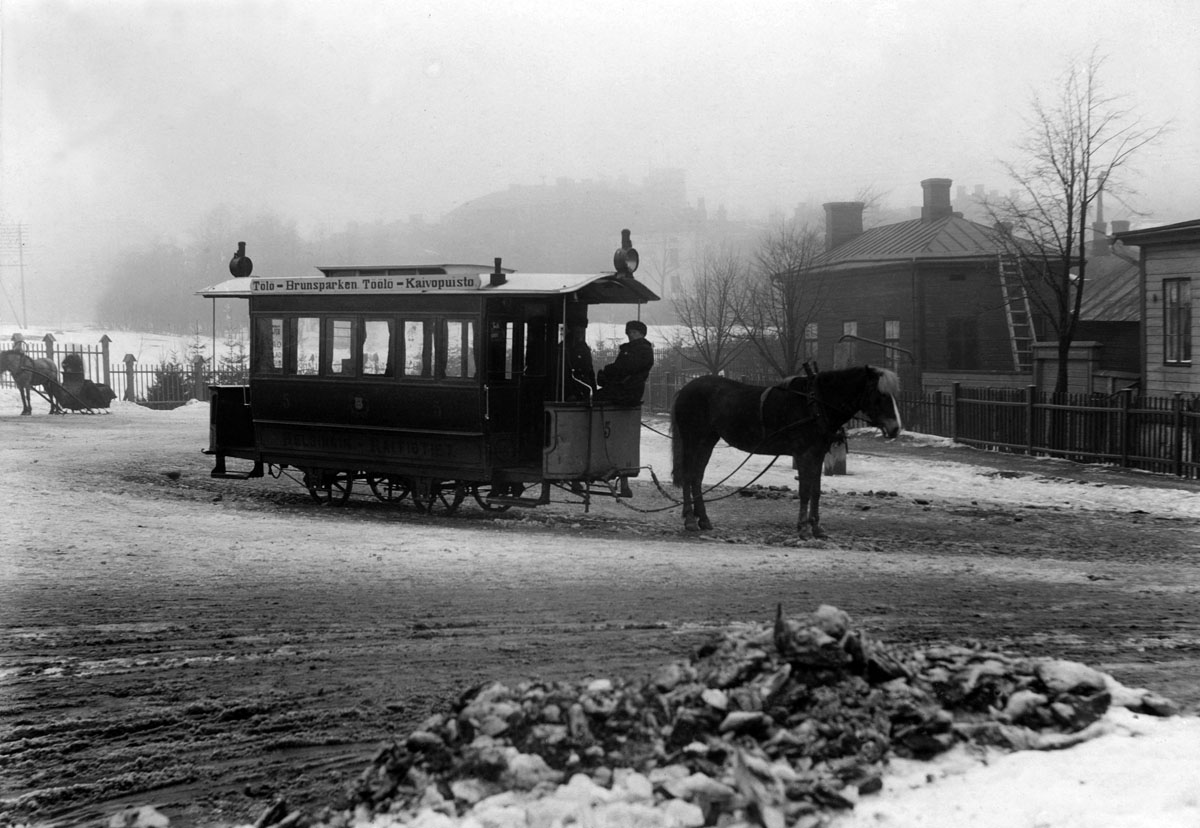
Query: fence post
{"x": 1030, "y": 418}
{"x": 1123, "y": 424}
{"x": 129, "y": 395}
{"x": 104, "y": 340}
{"x": 198, "y": 378}
{"x": 954, "y": 391}
{"x": 1178, "y": 449}
{"x": 48, "y": 340}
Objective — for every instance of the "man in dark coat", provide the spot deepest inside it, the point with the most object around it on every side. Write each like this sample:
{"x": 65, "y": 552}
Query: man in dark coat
{"x": 623, "y": 382}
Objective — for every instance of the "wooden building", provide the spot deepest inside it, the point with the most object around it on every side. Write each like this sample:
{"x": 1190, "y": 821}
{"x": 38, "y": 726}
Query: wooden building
{"x": 1170, "y": 271}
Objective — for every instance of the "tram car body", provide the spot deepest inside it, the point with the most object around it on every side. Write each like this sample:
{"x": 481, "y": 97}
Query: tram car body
{"x": 429, "y": 381}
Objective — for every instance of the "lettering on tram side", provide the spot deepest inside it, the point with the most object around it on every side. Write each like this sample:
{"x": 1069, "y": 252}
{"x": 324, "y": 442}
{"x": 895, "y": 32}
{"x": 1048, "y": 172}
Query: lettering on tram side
{"x": 367, "y": 284}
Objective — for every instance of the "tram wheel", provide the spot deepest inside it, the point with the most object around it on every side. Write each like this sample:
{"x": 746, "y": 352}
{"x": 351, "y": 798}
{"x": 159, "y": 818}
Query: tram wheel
{"x": 389, "y": 489}
{"x": 482, "y": 493}
{"x": 329, "y": 488}
{"x": 438, "y": 496}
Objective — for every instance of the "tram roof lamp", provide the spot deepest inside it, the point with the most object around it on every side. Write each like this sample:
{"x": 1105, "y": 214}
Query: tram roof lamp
{"x": 625, "y": 260}
{"x": 240, "y": 265}
{"x": 497, "y": 276}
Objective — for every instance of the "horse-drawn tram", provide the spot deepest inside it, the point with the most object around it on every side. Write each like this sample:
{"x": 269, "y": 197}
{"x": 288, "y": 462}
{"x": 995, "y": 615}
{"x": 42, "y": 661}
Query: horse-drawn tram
{"x": 430, "y": 382}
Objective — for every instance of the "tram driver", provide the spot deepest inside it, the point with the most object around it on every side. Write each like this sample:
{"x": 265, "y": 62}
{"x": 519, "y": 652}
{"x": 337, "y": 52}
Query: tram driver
{"x": 623, "y": 381}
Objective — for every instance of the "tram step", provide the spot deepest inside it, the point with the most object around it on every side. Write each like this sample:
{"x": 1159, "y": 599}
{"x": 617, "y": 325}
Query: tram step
{"x": 228, "y": 475}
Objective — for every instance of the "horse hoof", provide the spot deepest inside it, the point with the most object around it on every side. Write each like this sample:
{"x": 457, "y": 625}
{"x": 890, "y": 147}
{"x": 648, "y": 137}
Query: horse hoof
{"x": 818, "y": 532}
{"x": 691, "y": 525}
{"x": 705, "y": 524}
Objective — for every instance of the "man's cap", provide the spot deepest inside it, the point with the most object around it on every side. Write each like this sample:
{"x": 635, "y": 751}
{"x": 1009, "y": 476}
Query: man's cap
{"x": 635, "y": 325}
{"x": 18, "y": 337}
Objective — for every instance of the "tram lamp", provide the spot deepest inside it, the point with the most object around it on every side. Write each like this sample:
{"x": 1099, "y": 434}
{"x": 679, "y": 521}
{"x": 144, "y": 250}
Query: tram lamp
{"x": 498, "y": 277}
{"x": 625, "y": 260}
{"x": 240, "y": 265}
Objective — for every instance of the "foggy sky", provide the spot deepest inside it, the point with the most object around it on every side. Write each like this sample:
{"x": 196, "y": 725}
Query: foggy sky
{"x": 122, "y": 122}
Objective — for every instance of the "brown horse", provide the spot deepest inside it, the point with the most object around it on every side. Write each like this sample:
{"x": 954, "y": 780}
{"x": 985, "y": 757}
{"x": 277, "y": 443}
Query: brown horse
{"x": 30, "y": 372}
{"x": 801, "y": 416}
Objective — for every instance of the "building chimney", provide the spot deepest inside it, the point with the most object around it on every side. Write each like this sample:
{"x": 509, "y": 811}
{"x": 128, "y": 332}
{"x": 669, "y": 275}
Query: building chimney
{"x": 937, "y": 199}
{"x": 1100, "y": 239}
{"x": 843, "y": 221}
{"x": 1121, "y": 226}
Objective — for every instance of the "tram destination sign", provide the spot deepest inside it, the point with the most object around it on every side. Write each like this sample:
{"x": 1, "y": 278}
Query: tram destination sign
{"x": 430, "y": 283}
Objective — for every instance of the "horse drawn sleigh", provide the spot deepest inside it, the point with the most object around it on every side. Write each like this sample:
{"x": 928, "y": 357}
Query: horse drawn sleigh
{"x": 70, "y": 391}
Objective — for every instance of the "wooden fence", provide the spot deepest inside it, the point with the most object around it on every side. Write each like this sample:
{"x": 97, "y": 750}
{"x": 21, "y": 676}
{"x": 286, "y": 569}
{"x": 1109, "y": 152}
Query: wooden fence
{"x": 1156, "y": 434}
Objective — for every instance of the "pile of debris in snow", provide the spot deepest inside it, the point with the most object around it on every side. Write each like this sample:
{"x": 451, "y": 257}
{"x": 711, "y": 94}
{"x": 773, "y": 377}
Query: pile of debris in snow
{"x": 768, "y": 726}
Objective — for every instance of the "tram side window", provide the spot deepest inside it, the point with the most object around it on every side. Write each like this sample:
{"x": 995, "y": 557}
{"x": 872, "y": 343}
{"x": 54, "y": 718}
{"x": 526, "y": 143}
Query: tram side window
{"x": 377, "y": 348}
{"x": 416, "y": 349}
{"x": 502, "y": 359}
{"x": 268, "y": 345}
{"x": 308, "y": 346}
{"x": 340, "y": 348}
{"x": 460, "y": 348}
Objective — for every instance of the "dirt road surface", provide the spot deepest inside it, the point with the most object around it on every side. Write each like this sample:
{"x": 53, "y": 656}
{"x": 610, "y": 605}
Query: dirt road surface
{"x": 210, "y": 645}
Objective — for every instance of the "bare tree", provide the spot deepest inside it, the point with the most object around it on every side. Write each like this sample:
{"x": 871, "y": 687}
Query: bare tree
{"x": 781, "y": 296}
{"x": 1077, "y": 145}
{"x": 707, "y": 309}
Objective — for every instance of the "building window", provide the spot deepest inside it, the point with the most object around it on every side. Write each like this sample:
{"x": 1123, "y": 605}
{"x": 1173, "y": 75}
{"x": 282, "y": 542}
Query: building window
{"x": 848, "y": 348}
{"x": 962, "y": 343}
{"x": 1177, "y": 321}
{"x": 810, "y": 341}
{"x": 891, "y": 338}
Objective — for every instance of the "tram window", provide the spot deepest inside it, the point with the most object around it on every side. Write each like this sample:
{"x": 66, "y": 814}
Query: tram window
{"x": 460, "y": 348}
{"x": 308, "y": 345}
{"x": 340, "y": 350}
{"x": 416, "y": 349}
{"x": 502, "y": 350}
{"x": 377, "y": 348}
{"x": 268, "y": 345}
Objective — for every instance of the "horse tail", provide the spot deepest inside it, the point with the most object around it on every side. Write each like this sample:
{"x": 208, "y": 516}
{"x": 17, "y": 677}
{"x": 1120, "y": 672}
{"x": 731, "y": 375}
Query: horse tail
{"x": 676, "y": 446}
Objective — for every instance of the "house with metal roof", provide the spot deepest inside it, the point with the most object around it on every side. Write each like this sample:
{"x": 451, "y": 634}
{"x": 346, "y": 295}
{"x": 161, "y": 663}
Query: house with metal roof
{"x": 935, "y": 298}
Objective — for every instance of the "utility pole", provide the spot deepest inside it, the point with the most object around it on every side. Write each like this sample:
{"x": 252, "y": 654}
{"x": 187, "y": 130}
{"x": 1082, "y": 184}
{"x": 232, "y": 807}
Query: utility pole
{"x": 13, "y": 236}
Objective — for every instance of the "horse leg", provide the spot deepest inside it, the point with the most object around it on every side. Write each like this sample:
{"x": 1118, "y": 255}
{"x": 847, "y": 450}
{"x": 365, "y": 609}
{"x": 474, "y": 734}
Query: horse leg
{"x": 808, "y": 484}
{"x": 689, "y": 509}
{"x": 26, "y": 400}
{"x": 690, "y": 523}
{"x": 703, "y": 454}
{"x": 701, "y": 509}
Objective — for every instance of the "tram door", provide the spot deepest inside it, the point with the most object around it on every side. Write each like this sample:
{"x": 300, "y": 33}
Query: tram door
{"x": 519, "y": 370}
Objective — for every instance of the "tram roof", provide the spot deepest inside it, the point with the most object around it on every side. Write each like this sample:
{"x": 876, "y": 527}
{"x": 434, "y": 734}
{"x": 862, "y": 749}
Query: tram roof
{"x": 440, "y": 280}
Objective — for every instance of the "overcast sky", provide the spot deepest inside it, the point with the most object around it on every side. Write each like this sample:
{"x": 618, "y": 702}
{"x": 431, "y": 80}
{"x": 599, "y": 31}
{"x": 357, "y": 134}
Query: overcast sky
{"x": 124, "y": 121}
